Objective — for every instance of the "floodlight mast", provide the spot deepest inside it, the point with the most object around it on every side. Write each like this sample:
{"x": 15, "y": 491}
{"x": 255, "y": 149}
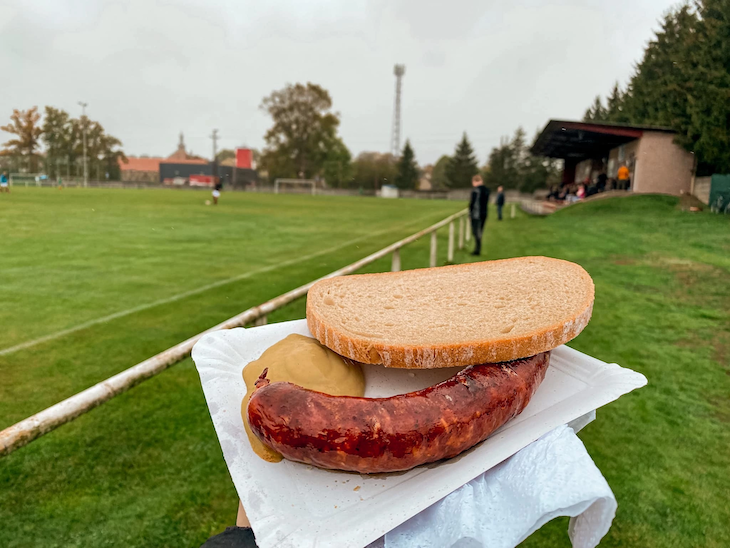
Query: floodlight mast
{"x": 399, "y": 71}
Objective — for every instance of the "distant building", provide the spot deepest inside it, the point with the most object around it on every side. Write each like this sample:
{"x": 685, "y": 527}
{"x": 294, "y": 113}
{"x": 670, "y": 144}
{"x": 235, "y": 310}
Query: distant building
{"x": 182, "y": 155}
{"x": 147, "y": 169}
{"x": 655, "y": 162}
{"x": 424, "y": 181}
{"x": 181, "y": 165}
{"x": 140, "y": 169}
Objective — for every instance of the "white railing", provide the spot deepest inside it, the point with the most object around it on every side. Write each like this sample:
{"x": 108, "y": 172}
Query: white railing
{"x": 27, "y": 430}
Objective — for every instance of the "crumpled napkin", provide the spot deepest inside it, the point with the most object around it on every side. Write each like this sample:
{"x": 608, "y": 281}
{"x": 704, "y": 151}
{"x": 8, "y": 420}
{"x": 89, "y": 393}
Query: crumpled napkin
{"x": 553, "y": 476}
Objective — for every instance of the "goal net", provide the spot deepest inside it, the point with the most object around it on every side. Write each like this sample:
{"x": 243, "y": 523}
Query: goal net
{"x": 295, "y": 186}
{"x": 27, "y": 179}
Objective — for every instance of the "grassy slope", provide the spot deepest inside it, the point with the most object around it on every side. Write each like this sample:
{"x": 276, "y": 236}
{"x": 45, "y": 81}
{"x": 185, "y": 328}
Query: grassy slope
{"x": 662, "y": 308}
{"x": 145, "y": 469}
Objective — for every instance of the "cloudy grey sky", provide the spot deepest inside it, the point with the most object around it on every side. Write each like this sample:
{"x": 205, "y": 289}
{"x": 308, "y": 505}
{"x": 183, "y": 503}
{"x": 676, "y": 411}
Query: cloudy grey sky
{"x": 152, "y": 68}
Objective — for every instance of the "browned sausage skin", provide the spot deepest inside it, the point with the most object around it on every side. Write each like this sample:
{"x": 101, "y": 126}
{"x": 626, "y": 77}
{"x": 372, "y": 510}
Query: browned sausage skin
{"x": 372, "y": 435}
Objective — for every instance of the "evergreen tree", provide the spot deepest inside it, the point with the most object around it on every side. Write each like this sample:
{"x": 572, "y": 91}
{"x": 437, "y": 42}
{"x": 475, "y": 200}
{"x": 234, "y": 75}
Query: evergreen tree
{"x": 407, "y": 176}
{"x": 512, "y": 166}
{"x": 615, "y": 106}
{"x": 499, "y": 164}
{"x": 462, "y": 166}
{"x": 683, "y": 82}
{"x": 708, "y": 131}
{"x": 506, "y": 161}
{"x": 596, "y": 113}
{"x": 438, "y": 175}
{"x": 539, "y": 172}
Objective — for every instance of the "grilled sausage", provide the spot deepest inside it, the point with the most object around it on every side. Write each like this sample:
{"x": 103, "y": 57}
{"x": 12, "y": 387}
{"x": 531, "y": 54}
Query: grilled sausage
{"x": 372, "y": 435}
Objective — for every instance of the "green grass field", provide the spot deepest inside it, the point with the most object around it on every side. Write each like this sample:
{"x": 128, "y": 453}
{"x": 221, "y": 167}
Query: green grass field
{"x": 145, "y": 469}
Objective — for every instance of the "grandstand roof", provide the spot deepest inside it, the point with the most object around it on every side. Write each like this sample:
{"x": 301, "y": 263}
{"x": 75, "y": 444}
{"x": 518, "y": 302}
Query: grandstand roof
{"x": 578, "y": 140}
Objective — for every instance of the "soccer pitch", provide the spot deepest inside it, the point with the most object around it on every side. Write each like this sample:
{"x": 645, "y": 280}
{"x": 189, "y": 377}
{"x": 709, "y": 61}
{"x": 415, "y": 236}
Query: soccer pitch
{"x": 143, "y": 270}
{"x": 94, "y": 281}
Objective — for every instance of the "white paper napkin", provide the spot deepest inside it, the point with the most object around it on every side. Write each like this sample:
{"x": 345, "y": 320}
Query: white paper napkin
{"x": 554, "y": 476}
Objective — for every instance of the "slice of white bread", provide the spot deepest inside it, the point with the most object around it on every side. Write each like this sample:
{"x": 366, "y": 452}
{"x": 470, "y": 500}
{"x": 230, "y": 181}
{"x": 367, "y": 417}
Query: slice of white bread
{"x": 453, "y": 315}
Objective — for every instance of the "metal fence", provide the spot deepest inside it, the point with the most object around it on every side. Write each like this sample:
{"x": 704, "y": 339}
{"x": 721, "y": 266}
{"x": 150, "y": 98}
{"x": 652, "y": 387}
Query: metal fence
{"x": 25, "y": 431}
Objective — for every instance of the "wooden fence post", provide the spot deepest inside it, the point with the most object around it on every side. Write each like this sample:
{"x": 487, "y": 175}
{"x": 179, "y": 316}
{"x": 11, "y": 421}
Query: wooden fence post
{"x": 450, "y": 256}
{"x": 432, "y": 262}
{"x": 395, "y": 261}
{"x": 461, "y": 232}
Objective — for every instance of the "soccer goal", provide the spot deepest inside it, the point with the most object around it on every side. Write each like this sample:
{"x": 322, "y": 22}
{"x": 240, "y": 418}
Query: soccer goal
{"x": 280, "y": 185}
{"x": 27, "y": 179}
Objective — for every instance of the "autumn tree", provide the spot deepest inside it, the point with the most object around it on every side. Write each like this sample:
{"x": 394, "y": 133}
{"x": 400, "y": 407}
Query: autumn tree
{"x": 59, "y": 139}
{"x": 407, "y": 176}
{"x": 63, "y": 139}
{"x": 103, "y": 151}
{"x": 337, "y": 168}
{"x": 462, "y": 166}
{"x": 371, "y": 170}
{"x": 225, "y": 154}
{"x": 304, "y": 131}
{"x": 24, "y": 125}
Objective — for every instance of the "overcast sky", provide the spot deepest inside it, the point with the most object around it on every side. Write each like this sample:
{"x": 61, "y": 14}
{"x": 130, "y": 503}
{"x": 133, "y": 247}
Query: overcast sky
{"x": 150, "y": 69}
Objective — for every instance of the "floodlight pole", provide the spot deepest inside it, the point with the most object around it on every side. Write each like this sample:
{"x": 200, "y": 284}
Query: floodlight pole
{"x": 83, "y": 121}
{"x": 215, "y": 153}
{"x": 399, "y": 71}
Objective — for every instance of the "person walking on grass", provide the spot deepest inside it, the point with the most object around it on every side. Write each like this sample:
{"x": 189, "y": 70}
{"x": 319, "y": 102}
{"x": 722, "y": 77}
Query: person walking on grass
{"x": 478, "y": 211}
{"x": 4, "y": 182}
{"x": 500, "y": 202}
{"x": 217, "y": 191}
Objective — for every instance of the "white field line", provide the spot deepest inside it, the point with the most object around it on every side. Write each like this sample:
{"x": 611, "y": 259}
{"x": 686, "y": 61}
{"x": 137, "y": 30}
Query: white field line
{"x": 201, "y": 289}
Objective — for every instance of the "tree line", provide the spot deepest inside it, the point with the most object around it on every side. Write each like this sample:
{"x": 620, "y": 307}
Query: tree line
{"x": 303, "y": 142}
{"x": 53, "y": 143}
{"x": 682, "y": 82}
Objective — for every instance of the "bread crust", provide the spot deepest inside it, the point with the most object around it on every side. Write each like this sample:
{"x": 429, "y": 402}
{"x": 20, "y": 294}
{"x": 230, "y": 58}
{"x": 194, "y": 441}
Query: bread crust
{"x": 504, "y": 349}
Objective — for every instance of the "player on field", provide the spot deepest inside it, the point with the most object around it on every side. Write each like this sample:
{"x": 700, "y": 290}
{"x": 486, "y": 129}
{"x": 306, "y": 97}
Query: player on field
{"x": 217, "y": 191}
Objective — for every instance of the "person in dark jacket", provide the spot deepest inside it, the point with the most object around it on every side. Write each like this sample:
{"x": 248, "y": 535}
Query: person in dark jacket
{"x": 478, "y": 211}
{"x": 500, "y": 202}
{"x": 217, "y": 191}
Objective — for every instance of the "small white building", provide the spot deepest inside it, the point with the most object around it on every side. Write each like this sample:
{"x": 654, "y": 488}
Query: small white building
{"x": 389, "y": 191}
